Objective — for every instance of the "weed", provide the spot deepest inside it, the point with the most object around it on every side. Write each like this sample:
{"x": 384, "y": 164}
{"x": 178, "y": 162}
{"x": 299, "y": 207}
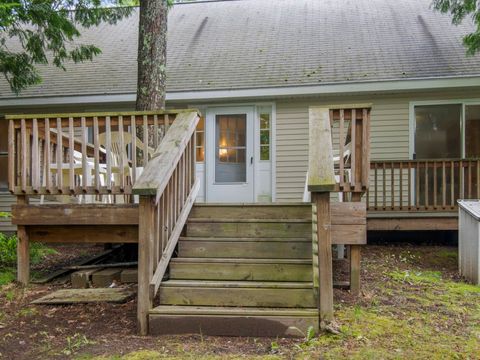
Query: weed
{"x": 74, "y": 343}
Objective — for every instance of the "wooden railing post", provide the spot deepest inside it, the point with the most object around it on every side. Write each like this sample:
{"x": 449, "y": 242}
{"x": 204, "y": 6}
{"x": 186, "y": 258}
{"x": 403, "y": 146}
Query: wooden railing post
{"x": 321, "y": 180}
{"x": 145, "y": 250}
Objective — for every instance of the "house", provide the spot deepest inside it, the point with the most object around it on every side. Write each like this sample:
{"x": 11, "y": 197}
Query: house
{"x": 256, "y": 71}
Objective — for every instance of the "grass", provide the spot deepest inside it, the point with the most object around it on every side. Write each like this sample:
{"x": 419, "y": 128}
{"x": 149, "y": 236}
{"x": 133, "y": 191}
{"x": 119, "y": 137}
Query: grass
{"x": 413, "y": 305}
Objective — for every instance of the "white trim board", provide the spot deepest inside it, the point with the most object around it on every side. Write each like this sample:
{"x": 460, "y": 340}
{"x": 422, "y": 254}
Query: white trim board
{"x": 323, "y": 89}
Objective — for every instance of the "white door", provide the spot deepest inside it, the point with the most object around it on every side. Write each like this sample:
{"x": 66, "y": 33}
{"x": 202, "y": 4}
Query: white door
{"x": 229, "y": 160}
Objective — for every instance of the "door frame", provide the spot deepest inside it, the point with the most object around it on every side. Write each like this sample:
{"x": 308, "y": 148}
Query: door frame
{"x": 273, "y": 141}
{"x": 210, "y": 139}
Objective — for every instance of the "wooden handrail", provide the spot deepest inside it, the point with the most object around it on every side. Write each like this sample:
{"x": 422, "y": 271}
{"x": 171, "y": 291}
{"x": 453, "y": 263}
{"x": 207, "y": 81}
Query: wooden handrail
{"x": 422, "y": 184}
{"x": 167, "y": 189}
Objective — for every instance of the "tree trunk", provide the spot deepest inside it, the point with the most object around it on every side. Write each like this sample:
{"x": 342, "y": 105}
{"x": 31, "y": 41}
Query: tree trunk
{"x": 152, "y": 55}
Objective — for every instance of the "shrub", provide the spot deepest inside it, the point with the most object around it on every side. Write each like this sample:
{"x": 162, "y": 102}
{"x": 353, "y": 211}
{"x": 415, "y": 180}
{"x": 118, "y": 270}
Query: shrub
{"x": 8, "y": 251}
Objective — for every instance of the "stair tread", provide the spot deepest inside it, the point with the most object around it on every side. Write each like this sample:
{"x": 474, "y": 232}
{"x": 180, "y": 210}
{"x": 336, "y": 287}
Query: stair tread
{"x": 240, "y": 260}
{"x": 245, "y": 239}
{"x": 238, "y": 284}
{"x": 232, "y": 204}
{"x": 253, "y": 220}
{"x": 232, "y": 311}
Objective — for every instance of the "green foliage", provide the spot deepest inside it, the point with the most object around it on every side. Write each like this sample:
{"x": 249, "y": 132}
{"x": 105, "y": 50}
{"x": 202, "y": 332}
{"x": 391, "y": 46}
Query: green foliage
{"x": 6, "y": 276}
{"x": 45, "y": 31}
{"x": 459, "y": 10}
{"x": 4, "y": 214}
{"x": 8, "y": 251}
{"x": 75, "y": 343}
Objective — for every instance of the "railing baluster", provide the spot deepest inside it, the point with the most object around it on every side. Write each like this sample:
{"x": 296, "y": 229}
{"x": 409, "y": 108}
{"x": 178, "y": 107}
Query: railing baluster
{"x": 11, "y": 156}
{"x": 461, "y": 179}
{"x": 86, "y": 171}
{"x": 400, "y": 165}
{"x": 353, "y": 160}
{"x": 342, "y": 142}
{"x": 384, "y": 186}
{"x": 96, "y": 154}
{"x": 122, "y": 149}
{"x": 133, "y": 127}
{"x": 376, "y": 186}
{"x": 35, "y": 157}
{"x": 444, "y": 186}
{"x": 145, "y": 140}
{"x": 108, "y": 150}
{"x": 417, "y": 186}
{"x": 155, "y": 131}
{"x": 59, "y": 155}
{"x": 426, "y": 185}
{"x": 434, "y": 184}
{"x": 71, "y": 149}
{"x": 452, "y": 184}
{"x": 365, "y": 147}
{"x": 392, "y": 185}
{"x": 469, "y": 181}
{"x": 409, "y": 185}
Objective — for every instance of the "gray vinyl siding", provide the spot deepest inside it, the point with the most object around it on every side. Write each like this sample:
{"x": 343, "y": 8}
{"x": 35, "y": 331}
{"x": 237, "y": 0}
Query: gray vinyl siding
{"x": 389, "y": 132}
{"x": 6, "y": 200}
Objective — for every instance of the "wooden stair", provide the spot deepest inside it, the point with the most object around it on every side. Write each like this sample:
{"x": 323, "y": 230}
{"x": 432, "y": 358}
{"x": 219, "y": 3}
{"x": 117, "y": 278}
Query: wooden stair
{"x": 241, "y": 270}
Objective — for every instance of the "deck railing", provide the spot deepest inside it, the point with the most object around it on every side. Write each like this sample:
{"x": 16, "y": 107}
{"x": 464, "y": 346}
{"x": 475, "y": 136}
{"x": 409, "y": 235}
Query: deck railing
{"x": 85, "y": 153}
{"x": 422, "y": 185}
{"x": 350, "y": 129}
{"x": 167, "y": 188}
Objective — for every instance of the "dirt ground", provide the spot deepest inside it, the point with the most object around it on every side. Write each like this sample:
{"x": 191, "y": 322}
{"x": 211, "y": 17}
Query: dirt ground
{"x": 412, "y": 305}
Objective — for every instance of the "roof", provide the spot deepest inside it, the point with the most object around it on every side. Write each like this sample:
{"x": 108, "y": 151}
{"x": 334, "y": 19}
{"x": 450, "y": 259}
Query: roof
{"x": 251, "y": 44}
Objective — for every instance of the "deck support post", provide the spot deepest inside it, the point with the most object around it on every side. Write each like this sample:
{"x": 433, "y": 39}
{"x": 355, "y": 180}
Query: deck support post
{"x": 145, "y": 250}
{"x": 23, "y": 249}
{"x": 324, "y": 257}
{"x": 355, "y": 259}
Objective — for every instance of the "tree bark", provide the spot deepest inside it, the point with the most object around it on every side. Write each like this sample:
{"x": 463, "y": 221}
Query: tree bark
{"x": 152, "y": 55}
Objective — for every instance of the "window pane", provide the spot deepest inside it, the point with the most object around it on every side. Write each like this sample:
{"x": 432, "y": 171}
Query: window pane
{"x": 201, "y": 124}
{"x": 264, "y": 137}
{"x": 472, "y": 131}
{"x": 265, "y": 152}
{"x": 437, "y": 133}
{"x": 200, "y": 138}
{"x": 200, "y": 157}
{"x": 264, "y": 121}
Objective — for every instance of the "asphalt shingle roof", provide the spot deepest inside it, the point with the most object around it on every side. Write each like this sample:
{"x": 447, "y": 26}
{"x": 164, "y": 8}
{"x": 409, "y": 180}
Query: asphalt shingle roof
{"x": 274, "y": 43}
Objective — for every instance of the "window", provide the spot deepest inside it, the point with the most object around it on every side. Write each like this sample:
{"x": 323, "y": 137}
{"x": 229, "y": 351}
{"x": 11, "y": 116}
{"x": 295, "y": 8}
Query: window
{"x": 200, "y": 140}
{"x": 438, "y": 131}
{"x": 265, "y": 121}
{"x": 3, "y": 154}
{"x": 447, "y": 131}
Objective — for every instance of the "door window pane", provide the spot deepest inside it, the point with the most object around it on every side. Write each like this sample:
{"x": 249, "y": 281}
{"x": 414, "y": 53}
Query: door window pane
{"x": 230, "y": 148}
{"x": 472, "y": 131}
{"x": 437, "y": 131}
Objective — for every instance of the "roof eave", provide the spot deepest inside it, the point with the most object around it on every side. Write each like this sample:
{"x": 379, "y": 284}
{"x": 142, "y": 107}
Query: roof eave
{"x": 268, "y": 92}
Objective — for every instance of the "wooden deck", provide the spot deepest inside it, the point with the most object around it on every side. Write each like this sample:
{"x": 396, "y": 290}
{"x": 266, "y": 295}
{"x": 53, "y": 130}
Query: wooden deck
{"x": 53, "y": 155}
